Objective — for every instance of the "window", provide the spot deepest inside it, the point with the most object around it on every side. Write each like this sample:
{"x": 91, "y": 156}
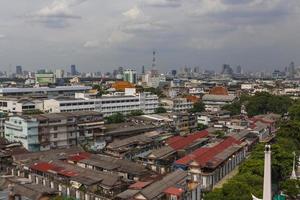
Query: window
{"x": 55, "y": 135}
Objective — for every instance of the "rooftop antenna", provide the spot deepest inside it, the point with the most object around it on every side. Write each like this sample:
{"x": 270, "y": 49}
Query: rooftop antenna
{"x": 154, "y": 60}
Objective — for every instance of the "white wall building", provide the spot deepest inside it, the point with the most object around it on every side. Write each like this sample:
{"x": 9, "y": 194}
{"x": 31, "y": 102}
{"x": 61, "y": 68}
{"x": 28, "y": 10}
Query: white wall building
{"x": 19, "y": 105}
{"x": 49, "y": 91}
{"x": 107, "y": 105}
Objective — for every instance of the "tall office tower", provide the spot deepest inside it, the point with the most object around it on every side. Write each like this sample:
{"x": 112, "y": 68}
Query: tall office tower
{"x": 59, "y": 73}
{"x": 143, "y": 69}
{"x": 291, "y": 70}
{"x": 73, "y": 70}
{"x": 19, "y": 70}
{"x": 227, "y": 70}
{"x": 174, "y": 72}
{"x": 130, "y": 76}
{"x": 239, "y": 69}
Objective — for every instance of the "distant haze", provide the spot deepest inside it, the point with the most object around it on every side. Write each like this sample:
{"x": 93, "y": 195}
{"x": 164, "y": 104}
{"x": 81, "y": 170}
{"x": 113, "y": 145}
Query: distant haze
{"x": 99, "y": 35}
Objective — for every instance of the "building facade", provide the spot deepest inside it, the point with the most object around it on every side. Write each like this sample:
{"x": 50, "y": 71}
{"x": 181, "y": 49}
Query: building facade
{"x": 107, "y": 105}
{"x": 51, "y": 131}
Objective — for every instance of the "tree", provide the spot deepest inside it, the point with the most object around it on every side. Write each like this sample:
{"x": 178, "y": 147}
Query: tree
{"x": 219, "y": 134}
{"x": 160, "y": 110}
{"x": 291, "y": 188}
{"x": 115, "y": 118}
{"x": 136, "y": 113}
{"x": 33, "y": 112}
{"x": 100, "y": 89}
{"x": 201, "y": 127}
{"x": 198, "y": 107}
{"x": 294, "y": 111}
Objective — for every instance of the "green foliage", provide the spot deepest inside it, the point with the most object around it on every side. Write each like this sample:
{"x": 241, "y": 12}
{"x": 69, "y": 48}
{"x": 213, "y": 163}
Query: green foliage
{"x": 249, "y": 180}
{"x": 100, "y": 89}
{"x": 201, "y": 127}
{"x": 198, "y": 107}
{"x": 260, "y": 103}
{"x": 291, "y": 188}
{"x": 156, "y": 91}
{"x": 33, "y": 112}
{"x": 294, "y": 111}
{"x": 136, "y": 113}
{"x": 160, "y": 110}
{"x": 115, "y": 118}
{"x": 219, "y": 134}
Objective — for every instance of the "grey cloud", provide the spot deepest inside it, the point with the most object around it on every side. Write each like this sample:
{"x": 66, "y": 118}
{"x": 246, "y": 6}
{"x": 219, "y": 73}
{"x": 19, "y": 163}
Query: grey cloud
{"x": 163, "y": 3}
{"x": 56, "y": 15}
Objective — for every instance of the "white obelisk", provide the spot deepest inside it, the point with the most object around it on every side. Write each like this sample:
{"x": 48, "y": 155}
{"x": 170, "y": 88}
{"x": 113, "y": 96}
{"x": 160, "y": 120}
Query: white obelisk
{"x": 267, "y": 193}
{"x": 293, "y": 175}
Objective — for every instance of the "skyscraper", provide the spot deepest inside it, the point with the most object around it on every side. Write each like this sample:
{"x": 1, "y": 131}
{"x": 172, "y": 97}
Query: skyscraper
{"x": 239, "y": 69}
{"x": 226, "y": 70}
{"x": 130, "y": 76}
{"x": 19, "y": 70}
{"x": 291, "y": 70}
{"x": 73, "y": 70}
{"x": 143, "y": 69}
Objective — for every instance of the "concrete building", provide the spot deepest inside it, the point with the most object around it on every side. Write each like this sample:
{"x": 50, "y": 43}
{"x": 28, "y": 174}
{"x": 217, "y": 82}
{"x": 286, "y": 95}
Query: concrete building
{"x": 108, "y": 104}
{"x": 174, "y": 186}
{"x": 215, "y": 102}
{"x": 47, "y": 91}
{"x": 209, "y": 164}
{"x": 177, "y": 104}
{"x": 50, "y": 131}
{"x": 59, "y": 73}
{"x": 20, "y": 105}
{"x": 130, "y": 75}
{"x": 45, "y": 78}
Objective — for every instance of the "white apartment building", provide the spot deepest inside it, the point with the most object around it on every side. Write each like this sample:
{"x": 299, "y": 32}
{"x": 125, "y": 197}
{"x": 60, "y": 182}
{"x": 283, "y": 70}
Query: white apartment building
{"x": 19, "y": 105}
{"x": 48, "y": 91}
{"x": 107, "y": 105}
{"x": 50, "y": 131}
{"x": 177, "y": 104}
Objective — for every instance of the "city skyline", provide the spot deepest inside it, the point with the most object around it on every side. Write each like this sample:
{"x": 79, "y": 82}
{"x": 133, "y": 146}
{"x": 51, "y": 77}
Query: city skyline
{"x": 99, "y": 36}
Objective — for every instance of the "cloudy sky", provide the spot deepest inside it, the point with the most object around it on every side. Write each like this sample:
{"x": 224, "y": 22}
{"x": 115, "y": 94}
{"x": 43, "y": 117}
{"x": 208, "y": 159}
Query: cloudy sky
{"x": 99, "y": 35}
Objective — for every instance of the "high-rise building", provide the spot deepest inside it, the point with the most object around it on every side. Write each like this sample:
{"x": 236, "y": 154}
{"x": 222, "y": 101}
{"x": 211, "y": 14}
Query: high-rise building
{"x": 143, "y": 69}
{"x": 59, "y": 73}
{"x": 19, "y": 70}
{"x": 173, "y": 72}
{"x": 291, "y": 70}
{"x": 130, "y": 76}
{"x": 73, "y": 70}
{"x": 239, "y": 69}
{"x": 226, "y": 70}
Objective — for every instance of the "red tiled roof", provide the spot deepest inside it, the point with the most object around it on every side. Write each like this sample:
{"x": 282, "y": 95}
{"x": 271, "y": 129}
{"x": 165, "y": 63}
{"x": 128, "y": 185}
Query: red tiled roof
{"x": 263, "y": 120}
{"x": 139, "y": 185}
{"x": 78, "y": 157}
{"x": 203, "y": 155}
{"x": 188, "y": 158}
{"x": 46, "y": 167}
{"x": 174, "y": 191}
{"x": 218, "y": 90}
{"x": 180, "y": 142}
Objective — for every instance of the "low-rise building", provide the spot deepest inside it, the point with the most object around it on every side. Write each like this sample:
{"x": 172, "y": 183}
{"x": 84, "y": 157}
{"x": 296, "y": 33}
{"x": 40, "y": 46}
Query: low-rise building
{"x": 47, "y": 91}
{"x": 20, "y": 105}
{"x": 209, "y": 164}
{"x": 48, "y": 131}
{"x": 177, "y": 104}
{"x": 174, "y": 186}
{"x": 108, "y": 104}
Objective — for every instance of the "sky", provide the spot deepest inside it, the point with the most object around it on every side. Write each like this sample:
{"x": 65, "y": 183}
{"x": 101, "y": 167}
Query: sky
{"x": 100, "y": 35}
